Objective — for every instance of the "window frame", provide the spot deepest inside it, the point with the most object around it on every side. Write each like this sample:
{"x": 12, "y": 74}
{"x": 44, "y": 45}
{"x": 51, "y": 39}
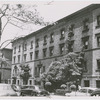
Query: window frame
{"x": 84, "y": 40}
{"x": 19, "y": 48}
{"x": 14, "y": 50}
{"x": 31, "y": 56}
{"x": 14, "y": 59}
{"x": 51, "y": 37}
{"x": 18, "y": 58}
{"x": 85, "y": 25}
{"x": 98, "y": 41}
{"x": 44, "y": 52}
{"x": 51, "y": 49}
{"x": 62, "y": 35}
{"x": 45, "y": 40}
{"x": 25, "y": 57}
{"x": 25, "y": 47}
{"x": 62, "y": 46}
{"x": 37, "y": 43}
{"x": 31, "y": 45}
{"x": 37, "y": 54}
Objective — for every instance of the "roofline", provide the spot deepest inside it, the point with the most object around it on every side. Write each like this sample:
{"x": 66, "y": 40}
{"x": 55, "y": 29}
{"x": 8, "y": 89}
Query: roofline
{"x": 6, "y": 49}
{"x": 85, "y": 9}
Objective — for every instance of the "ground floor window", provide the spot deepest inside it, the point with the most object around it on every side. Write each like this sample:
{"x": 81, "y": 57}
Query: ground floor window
{"x": 30, "y": 82}
{"x": 86, "y": 83}
{"x": 18, "y": 82}
{"x": 98, "y": 83}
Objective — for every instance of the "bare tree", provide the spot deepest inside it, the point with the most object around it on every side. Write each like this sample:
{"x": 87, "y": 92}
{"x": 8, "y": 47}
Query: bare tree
{"x": 19, "y": 15}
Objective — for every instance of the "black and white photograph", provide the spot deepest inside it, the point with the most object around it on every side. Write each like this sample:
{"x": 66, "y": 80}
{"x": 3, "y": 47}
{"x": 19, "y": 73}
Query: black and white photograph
{"x": 49, "y": 49}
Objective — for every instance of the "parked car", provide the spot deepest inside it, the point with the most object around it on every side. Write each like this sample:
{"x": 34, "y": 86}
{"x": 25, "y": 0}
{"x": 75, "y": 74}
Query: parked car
{"x": 6, "y": 90}
{"x": 96, "y": 92}
{"x": 84, "y": 91}
{"x": 28, "y": 91}
{"x": 34, "y": 91}
{"x": 42, "y": 91}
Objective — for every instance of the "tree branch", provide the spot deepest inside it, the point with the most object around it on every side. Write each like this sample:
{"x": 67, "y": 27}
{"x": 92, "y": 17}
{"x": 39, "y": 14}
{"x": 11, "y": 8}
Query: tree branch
{"x": 15, "y": 25}
{"x": 4, "y": 26}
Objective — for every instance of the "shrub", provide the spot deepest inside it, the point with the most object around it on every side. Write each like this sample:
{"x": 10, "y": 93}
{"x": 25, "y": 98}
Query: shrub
{"x": 61, "y": 91}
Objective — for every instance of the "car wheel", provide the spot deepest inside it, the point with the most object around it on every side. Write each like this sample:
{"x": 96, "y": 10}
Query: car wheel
{"x": 33, "y": 94}
{"x": 22, "y": 94}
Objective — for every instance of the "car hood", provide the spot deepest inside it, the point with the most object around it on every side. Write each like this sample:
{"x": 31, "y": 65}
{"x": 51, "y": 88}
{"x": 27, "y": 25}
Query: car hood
{"x": 8, "y": 93}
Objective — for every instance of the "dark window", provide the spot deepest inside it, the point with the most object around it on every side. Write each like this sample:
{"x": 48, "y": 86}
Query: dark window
{"x": 61, "y": 48}
{"x": 98, "y": 64}
{"x": 37, "y": 43}
{"x": 45, "y": 40}
{"x": 31, "y": 45}
{"x": 85, "y": 42}
{"x": 51, "y": 50}
{"x": 31, "y": 55}
{"x": 37, "y": 71}
{"x": 14, "y": 50}
{"x": 51, "y": 37}
{"x": 36, "y": 54}
{"x": 98, "y": 41}
{"x": 14, "y": 59}
{"x": 30, "y": 82}
{"x": 19, "y": 48}
{"x": 44, "y": 52}
{"x": 85, "y": 66}
{"x": 18, "y": 82}
{"x": 18, "y": 58}
{"x": 62, "y": 34}
{"x": 43, "y": 69}
{"x": 24, "y": 57}
{"x": 86, "y": 83}
{"x": 85, "y": 25}
{"x": 25, "y": 47}
{"x": 98, "y": 20}
{"x": 98, "y": 83}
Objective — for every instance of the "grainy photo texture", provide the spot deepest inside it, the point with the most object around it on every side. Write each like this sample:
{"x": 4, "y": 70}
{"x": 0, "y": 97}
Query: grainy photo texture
{"x": 50, "y": 49}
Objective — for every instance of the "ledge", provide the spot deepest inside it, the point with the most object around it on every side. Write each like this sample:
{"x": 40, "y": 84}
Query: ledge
{"x": 85, "y": 30}
{"x": 97, "y": 70}
{"x": 98, "y": 26}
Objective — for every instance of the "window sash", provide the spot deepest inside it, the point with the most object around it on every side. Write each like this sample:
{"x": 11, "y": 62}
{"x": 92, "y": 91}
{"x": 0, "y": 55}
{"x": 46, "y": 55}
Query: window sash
{"x": 98, "y": 64}
{"x": 18, "y": 58}
{"x": 31, "y": 44}
{"x": 98, "y": 20}
{"x": 98, "y": 41}
{"x": 51, "y": 51}
{"x": 44, "y": 52}
{"x": 36, "y": 54}
{"x": 31, "y": 55}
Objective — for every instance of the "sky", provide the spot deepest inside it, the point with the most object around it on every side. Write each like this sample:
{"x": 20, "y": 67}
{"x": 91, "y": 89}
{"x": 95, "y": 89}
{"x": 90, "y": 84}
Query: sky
{"x": 50, "y": 10}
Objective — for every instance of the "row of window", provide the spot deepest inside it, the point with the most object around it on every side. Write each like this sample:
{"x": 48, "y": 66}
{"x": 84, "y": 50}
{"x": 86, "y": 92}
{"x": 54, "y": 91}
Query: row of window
{"x": 51, "y": 53}
{"x": 85, "y": 28}
{"x": 24, "y": 57}
{"x": 51, "y": 38}
{"x": 87, "y": 83}
{"x": 25, "y": 47}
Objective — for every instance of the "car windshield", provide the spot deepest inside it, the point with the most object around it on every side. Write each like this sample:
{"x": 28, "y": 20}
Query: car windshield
{"x": 90, "y": 91}
{"x": 83, "y": 90}
{"x": 31, "y": 87}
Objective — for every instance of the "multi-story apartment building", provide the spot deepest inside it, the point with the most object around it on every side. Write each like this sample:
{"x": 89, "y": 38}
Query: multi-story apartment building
{"x": 49, "y": 44}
